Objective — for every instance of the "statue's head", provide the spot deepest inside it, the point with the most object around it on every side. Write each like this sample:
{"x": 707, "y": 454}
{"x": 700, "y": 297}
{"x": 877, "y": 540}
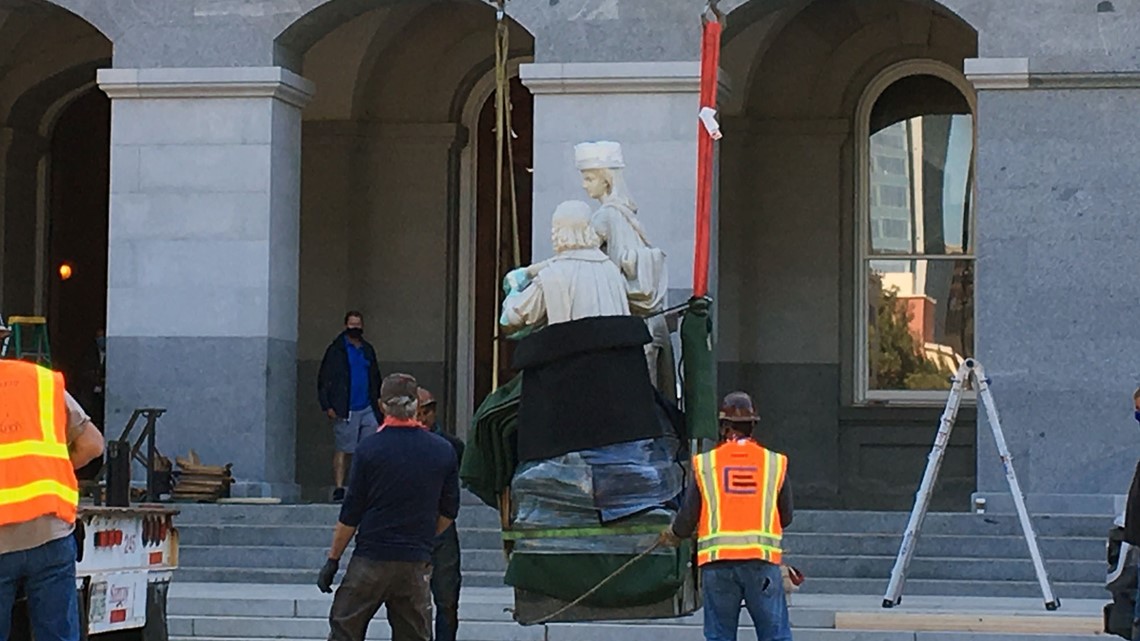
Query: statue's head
{"x": 570, "y": 227}
{"x": 598, "y": 183}
{"x": 599, "y": 162}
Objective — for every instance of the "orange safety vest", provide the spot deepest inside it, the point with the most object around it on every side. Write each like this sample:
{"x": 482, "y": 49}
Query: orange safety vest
{"x": 739, "y": 483}
{"x": 36, "y": 476}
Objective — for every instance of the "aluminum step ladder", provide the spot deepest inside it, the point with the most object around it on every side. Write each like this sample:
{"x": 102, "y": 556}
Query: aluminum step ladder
{"x": 29, "y": 340}
{"x": 970, "y": 369}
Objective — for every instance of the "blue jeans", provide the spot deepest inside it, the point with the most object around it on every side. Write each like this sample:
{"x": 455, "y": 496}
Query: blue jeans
{"x": 445, "y": 582}
{"x": 47, "y": 574}
{"x": 759, "y": 585}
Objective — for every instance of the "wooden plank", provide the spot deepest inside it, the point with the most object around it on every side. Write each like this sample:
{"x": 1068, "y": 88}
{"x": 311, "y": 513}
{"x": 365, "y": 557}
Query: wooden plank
{"x": 1011, "y": 623}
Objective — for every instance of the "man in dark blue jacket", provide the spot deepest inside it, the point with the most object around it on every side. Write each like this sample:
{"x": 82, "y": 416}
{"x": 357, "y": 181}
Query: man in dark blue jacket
{"x": 404, "y": 491}
{"x": 347, "y": 386}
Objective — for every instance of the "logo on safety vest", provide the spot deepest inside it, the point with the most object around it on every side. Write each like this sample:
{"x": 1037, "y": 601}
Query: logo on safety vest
{"x": 741, "y": 480}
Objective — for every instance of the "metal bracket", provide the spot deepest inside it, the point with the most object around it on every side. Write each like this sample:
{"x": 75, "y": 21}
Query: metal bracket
{"x": 712, "y": 13}
{"x": 147, "y": 434}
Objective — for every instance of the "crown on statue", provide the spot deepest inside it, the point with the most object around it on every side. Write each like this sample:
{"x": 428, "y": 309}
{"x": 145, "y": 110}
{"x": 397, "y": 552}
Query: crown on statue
{"x": 598, "y": 155}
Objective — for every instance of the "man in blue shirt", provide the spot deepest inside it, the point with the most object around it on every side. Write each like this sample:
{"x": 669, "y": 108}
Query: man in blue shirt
{"x": 347, "y": 387}
{"x": 403, "y": 492}
{"x": 446, "y": 578}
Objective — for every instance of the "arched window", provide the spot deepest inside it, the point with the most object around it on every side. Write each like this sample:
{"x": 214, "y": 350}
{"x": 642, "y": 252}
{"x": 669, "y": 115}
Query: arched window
{"x": 914, "y": 232}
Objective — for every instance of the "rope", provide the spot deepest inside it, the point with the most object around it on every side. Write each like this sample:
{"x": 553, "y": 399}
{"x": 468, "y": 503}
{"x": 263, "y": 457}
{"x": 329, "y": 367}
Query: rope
{"x": 594, "y": 590}
{"x": 503, "y": 133}
{"x": 580, "y": 532}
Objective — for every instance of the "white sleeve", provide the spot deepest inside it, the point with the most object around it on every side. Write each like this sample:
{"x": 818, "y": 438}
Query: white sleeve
{"x": 524, "y": 308}
{"x": 76, "y": 418}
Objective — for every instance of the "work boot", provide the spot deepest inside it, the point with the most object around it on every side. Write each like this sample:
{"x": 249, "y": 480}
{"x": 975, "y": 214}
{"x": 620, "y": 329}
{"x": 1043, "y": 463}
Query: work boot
{"x": 338, "y": 495}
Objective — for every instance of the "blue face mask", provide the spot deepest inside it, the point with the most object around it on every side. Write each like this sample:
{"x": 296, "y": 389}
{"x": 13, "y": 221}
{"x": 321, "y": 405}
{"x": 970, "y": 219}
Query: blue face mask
{"x": 1138, "y": 416}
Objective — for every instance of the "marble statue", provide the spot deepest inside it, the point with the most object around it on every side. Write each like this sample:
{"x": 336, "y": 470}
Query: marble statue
{"x": 578, "y": 282}
{"x": 625, "y": 242}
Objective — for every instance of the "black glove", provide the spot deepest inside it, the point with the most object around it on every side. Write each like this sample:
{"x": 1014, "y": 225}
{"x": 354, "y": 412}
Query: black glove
{"x": 324, "y": 581}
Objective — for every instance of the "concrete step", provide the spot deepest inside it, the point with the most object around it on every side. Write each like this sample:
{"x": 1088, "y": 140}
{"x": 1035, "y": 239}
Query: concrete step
{"x": 814, "y": 585}
{"x": 945, "y": 545}
{"x": 314, "y": 628}
{"x": 277, "y": 576}
{"x": 311, "y": 514}
{"x": 995, "y": 547}
{"x": 815, "y": 521}
{"x": 951, "y": 523}
{"x": 253, "y": 557}
{"x": 687, "y": 634}
{"x": 959, "y": 569}
{"x": 953, "y": 588}
{"x": 203, "y": 612}
{"x": 201, "y": 628}
{"x": 307, "y": 536}
{"x": 988, "y": 569}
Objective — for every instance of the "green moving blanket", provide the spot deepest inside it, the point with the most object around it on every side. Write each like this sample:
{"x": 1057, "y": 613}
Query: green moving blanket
{"x": 567, "y": 576}
{"x": 491, "y": 456}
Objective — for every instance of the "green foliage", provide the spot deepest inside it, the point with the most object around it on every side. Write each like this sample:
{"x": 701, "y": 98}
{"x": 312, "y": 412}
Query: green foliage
{"x": 897, "y": 359}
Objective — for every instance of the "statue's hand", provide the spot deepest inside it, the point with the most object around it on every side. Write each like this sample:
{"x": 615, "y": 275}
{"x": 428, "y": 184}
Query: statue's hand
{"x": 516, "y": 280}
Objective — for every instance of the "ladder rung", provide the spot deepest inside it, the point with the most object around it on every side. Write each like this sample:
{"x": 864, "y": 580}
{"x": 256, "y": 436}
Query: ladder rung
{"x": 27, "y": 320}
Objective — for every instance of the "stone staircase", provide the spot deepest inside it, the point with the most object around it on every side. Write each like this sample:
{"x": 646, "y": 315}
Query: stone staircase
{"x": 959, "y": 554}
{"x": 211, "y": 612}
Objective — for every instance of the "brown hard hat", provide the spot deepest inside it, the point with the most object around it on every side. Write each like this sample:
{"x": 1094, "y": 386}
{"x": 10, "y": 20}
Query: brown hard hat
{"x": 737, "y": 407}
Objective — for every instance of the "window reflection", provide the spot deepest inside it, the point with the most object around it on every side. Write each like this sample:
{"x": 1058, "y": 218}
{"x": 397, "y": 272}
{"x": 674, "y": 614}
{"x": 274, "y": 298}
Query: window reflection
{"x": 921, "y": 185}
{"x": 920, "y": 322}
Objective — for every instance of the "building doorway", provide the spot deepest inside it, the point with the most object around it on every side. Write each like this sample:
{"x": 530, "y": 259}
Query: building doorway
{"x": 77, "y": 242}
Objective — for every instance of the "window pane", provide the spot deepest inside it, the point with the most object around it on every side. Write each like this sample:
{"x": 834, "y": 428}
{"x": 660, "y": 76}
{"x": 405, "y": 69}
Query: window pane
{"x": 921, "y": 181}
{"x": 920, "y": 324}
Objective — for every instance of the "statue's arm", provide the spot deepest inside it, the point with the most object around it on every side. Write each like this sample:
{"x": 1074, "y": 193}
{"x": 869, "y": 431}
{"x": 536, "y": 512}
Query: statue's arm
{"x": 524, "y": 309}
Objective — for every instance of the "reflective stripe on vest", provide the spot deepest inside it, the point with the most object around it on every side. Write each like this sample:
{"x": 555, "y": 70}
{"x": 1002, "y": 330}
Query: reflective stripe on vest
{"x": 36, "y": 475}
{"x": 740, "y": 484}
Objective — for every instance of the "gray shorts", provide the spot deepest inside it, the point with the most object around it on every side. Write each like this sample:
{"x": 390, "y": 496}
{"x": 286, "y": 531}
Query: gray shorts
{"x": 347, "y": 432}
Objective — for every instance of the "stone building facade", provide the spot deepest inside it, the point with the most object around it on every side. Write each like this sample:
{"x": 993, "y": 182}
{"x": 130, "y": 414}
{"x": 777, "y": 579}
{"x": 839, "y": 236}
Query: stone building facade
{"x": 897, "y": 177}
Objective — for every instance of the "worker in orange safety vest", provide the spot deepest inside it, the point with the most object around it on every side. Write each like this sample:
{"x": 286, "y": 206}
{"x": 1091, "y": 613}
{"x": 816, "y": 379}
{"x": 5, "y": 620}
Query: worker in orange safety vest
{"x": 738, "y": 506}
{"x": 44, "y": 436}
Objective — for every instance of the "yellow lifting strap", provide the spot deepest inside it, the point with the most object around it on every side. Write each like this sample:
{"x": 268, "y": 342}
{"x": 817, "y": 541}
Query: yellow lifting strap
{"x": 504, "y": 133}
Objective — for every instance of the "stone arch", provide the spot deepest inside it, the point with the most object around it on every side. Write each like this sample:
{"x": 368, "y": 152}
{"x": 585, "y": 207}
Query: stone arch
{"x": 390, "y": 177}
{"x": 799, "y": 69}
{"x": 97, "y": 18}
{"x": 318, "y": 18}
{"x": 463, "y": 34}
{"x": 839, "y": 45}
{"x": 49, "y": 55}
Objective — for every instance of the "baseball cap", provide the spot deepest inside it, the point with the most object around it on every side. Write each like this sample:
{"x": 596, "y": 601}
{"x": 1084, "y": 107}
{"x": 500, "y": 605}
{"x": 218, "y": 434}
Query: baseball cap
{"x": 399, "y": 387}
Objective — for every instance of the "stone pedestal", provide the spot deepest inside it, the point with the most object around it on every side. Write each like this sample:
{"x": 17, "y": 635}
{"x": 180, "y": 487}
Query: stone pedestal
{"x": 651, "y": 109}
{"x": 1057, "y": 281}
{"x": 203, "y": 272}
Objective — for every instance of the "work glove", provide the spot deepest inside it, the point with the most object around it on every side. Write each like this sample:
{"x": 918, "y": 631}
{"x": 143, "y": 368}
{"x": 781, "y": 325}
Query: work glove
{"x": 324, "y": 581}
{"x": 516, "y": 280}
{"x": 667, "y": 539}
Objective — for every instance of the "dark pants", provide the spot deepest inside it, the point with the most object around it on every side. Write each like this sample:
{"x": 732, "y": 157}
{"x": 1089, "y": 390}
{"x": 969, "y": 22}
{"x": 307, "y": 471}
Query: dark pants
{"x": 402, "y": 587}
{"x": 759, "y": 585}
{"x": 47, "y": 574}
{"x": 1136, "y": 610}
{"x": 445, "y": 582}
